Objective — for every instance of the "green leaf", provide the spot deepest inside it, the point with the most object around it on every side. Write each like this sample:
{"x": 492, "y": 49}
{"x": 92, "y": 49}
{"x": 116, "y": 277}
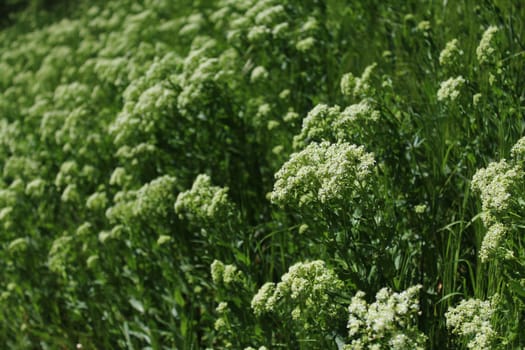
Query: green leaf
{"x": 137, "y": 305}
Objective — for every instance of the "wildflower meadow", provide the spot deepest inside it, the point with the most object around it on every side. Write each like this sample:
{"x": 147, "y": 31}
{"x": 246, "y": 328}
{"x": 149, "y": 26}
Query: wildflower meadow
{"x": 262, "y": 174}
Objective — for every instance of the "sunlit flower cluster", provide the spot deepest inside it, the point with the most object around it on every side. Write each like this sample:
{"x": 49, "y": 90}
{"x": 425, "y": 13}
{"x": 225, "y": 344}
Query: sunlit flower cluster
{"x": 225, "y": 274}
{"x": 471, "y": 319}
{"x": 450, "y": 53}
{"x": 97, "y": 201}
{"x": 518, "y": 150}
{"x": 492, "y": 240}
{"x": 323, "y": 172}
{"x": 258, "y": 73}
{"x": 324, "y": 123}
{"x": 485, "y": 50}
{"x": 304, "y": 295}
{"x": 449, "y": 89}
{"x": 353, "y": 118}
{"x": 147, "y": 103}
{"x": 500, "y": 186}
{"x": 155, "y": 199}
{"x": 358, "y": 87}
{"x": 317, "y": 125}
{"x": 388, "y": 323}
{"x": 494, "y": 184}
{"x": 204, "y": 202}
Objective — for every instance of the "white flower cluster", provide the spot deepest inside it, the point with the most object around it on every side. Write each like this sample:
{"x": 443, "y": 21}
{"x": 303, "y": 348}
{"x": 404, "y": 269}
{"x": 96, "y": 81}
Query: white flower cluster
{"x": 36, "y": 188}
{"x": 449, "y": 89}
{"x": 97, "y": 201}
{"x": 112, "y": 70}
{"x": 20, "y": 167}
{"x": 518, "y": 150}
{"x": 264, "y": 300}
{"x": 492, "y": 240}
{"x": 258, "y": 73}
{"x": 70, "y": 178}
{"x": 388, "y": 323}
{"x": 225, "y": 274}
{"x": 201, "y": 72}
{"x": 500, "y": 186}
{"x": 317, "y": 125}
{"x": 304, "y": 295}
{"x": 471, "y": 319}
{"x": 204, "y": 202}
{"x": 58, "y": 254}
{"x": 18, "y": 245}
{"x": 193, "y": 24}
{"x": 155, "y": 199}
{"x": 68, "y": 173}
{"x": 324, "y": 123}
{"x": 354, "y": 116}
{"x": 494, "y": 184}
{"x": 450, "y": 53}
{"x": 485, "y": 50}
{"x": 123, "y": 207}
{"x": 323, "y": 172}
{"x": 358, "y": 87}
{"x": 304, "y": 45}
{"x": 119, "y": 177}
{"x": 476, "y": 99}
{"x": 147, "y": 102}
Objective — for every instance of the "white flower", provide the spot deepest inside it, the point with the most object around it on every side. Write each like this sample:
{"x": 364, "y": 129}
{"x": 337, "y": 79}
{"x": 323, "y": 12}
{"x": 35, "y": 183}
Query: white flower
{"x": 323, "y": 172}
{"x": 230, "y": 274}
{"x": 260, "y": 301}
{"x": 518, "y": 150}
{"x": 358, "y": 87}
{"x": 389, "y": 320}
{"x": 317, "y": 124}
{"x": 258, "y": 73}
{"x": 491, "y": 241}
{"x": 225, "y": 274}
{"x": 494, "y": 184}
{"x": 70, "y": 194}
{"x": 449, "y": 89}
{"x": 35, "y": 188}
{"x": 305, "y": 45}
{"x": 222, "y": 307}
{"x": 485, "y": 49}
{"x": 305, "y": 291}
{"x": 203, "y": 202}
{"x": 97, "y": 201}
{"x": 450, "y": 53}
{"x": 423, "y": 26}
{"x": 476, "y": 99}
{"x": 471, "y": 319}
{"x": 155, "y": 198}
{"x": 348, "y": 82}
{"x": 217, "y": 271}
{"x": 270, "y": 15}
{"x": 258, "y": 33}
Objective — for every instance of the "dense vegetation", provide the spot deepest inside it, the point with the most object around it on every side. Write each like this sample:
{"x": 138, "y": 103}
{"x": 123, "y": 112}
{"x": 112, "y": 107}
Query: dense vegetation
{"x": 249, "y": 174}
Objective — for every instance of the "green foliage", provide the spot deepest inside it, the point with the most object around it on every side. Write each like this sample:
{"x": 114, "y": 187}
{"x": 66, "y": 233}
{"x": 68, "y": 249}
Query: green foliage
{"x": 246, "y": 174}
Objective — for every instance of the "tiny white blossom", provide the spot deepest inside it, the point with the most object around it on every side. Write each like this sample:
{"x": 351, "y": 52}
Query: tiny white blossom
{"x": 323, "y": 172}
{"x": 494, "y": 184}
{"x": 491, "y": 241}
{"x": 258, "y": 73}
{"x": 485, "y": 50}
{"x": 450, "y": 53}
{"x": 449, "y": 89}
{"x": 471, "y": 319}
